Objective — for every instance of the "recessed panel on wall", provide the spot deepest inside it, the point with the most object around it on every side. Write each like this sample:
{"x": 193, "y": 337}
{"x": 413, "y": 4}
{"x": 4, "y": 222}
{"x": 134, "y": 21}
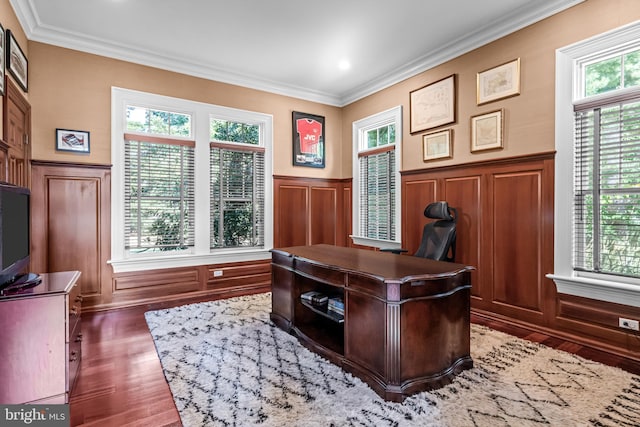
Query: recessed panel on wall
{"x": 292, "y": 211}
{"x": 463, "y": 194}
{"x": 517, "y": 223}
{"x": 73, "y": 212}
{"x": 323, "y": 214}
{"x": 416, "y": 195}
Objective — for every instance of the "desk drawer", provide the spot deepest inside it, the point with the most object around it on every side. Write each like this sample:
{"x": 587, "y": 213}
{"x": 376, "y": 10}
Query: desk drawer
{"x": 283, "y": 259}
{"x": 320, "y": 273}
{"x": 74, "y": 355}
{"x": 368, "y": 285}
{"x": 75, "y": 303}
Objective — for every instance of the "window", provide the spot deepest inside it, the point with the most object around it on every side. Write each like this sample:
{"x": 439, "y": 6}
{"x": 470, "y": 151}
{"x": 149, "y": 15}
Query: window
{"x": 598, "y": 199}
{"x": 159, "y": 197}
{"x": 237, "y": 185}
{"x": 607, "y": 188}
{"x": 376, "y": 168}
{"x": 191, "y": 183}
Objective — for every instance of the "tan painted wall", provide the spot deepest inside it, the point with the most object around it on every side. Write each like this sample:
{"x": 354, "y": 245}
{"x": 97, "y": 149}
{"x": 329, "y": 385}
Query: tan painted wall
{"x": 529, "y": 117}
{"x": 9, "y": 21}
{"x": 72, "y": 90}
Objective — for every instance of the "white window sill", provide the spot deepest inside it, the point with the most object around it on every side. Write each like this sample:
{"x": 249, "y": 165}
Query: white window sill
{"x": 376, "y": 243}
{"x": 603, "y": 290}
{"x": 143, "y": 263}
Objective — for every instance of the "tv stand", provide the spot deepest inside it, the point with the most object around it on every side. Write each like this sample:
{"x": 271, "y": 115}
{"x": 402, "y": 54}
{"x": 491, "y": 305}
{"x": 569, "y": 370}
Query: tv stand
{"x": 41, "y": 340}
{"x": 20, "y": 282}
{"x": 406, "y": 325}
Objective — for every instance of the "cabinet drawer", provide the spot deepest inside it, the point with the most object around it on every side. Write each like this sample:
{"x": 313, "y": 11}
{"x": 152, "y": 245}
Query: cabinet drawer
{"x": 75, "y": 303}
{"x": 74, "y": 355}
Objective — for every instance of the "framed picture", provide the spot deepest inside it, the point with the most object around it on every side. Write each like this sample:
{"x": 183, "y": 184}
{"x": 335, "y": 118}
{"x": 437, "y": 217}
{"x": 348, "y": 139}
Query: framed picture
{"x": 3, "y": 51}
{"x": 72, "y": 140}
{"x": 17, "y": 63}
{"x": 499, "y": 82}
{"x": 433, "y": 105}
{"x": 486, "y": 131}
{"x": 437, "y": 145}
{"x": 308, "y": 140}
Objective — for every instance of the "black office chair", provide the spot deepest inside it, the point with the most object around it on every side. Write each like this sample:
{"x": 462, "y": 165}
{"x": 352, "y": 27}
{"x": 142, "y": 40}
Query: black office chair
{"x": 438, "y": 237}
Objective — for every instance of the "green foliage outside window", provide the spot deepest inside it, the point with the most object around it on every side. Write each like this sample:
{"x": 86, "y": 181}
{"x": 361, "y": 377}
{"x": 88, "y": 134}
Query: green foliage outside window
{"x": 618, "y": 181}
{"x": 381, "y": 136}
{"x": 159, "y": 190}
{"x": 158, "y": 122}
{"x": 237, "y": 200}
{"x": 619, "y": 72}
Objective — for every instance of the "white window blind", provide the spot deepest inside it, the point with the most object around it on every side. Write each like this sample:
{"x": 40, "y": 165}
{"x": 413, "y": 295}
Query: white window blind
{"x": 607, "y": 187}
{"x": 378, "y": 194}
{"x": 237, "y": 196}
{"x": 159, "y": 194}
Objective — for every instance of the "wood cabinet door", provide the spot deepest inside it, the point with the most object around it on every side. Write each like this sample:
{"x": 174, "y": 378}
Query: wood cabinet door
{"x": 17, "y": 133}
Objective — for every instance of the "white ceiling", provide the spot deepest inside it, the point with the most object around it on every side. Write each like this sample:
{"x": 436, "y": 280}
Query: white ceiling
{"x": 289, "y": 47}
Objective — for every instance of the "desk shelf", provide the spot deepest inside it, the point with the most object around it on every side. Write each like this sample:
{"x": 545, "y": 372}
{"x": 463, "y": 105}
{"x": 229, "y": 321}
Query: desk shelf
{"x": 322, "y": 310}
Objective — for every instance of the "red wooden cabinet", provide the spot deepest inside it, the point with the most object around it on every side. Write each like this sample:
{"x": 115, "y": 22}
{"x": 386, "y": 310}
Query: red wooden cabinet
{"x": 40, "y": 341}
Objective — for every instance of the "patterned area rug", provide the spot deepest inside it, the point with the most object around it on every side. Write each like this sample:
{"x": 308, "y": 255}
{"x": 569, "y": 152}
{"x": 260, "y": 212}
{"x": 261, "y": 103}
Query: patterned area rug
{"x": 228, "y": 365}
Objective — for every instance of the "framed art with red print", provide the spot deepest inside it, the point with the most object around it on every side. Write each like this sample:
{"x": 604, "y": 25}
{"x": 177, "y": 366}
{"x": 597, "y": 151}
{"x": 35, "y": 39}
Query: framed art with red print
{"x": 308, "y": 140}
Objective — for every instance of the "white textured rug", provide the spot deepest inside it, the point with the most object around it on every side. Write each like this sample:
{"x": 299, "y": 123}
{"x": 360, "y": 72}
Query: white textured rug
{"x": 228, "y": 365}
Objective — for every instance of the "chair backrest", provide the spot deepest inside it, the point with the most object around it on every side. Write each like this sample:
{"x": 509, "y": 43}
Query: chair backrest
{"x": 439, "y": 237}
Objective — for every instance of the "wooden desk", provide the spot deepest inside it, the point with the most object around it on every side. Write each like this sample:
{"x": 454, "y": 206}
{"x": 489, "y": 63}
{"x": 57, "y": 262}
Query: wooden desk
{"x": 406, "y": 325}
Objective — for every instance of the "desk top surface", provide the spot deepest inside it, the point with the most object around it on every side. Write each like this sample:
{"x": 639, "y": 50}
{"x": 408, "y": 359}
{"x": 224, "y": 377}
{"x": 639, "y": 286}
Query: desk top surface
{"x": 385, "y": 266}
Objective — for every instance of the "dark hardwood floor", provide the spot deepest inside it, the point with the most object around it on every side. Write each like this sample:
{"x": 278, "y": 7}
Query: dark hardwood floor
{"x": 121, "y": 381}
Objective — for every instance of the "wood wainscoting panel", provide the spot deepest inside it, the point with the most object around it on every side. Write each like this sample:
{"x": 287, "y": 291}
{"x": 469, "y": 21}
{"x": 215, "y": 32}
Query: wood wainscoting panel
{"x": 70, "y": 224}
{"x": 598, "y": 322}
{"x": 324, "y": 229}
{"x": 310, "y": 210}
{"x": 347, "y": 216}
{"x": 188, "y": 283}
{"x": 239, "y": 275}
{"x": 175, "y": 280}
{"x": 505, "y": 229}
{"x": 517, "y": 240}
{"x": 155, "y": 284}
{"x": 416, "y": 195}
{"x": 463, "y": 194}
{"x": 4, "y": 161}
{"x": 291, "y": 212}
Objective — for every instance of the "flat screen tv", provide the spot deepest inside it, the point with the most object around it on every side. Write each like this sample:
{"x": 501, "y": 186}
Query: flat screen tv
{"x": 14, "y": 233}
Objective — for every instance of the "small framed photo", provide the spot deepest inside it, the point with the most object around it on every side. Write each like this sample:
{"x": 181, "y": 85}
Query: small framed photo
{"x": 17, "y": 63}
{"x": 308, "y": 140}
{"x": 3, "y": 53}
{"x": 437, "y": 145}
{"x": 486, "y": 131}
{"x": 72, "y": 140}
{"x": 499, "y": 82}
{"x": 433, "y": 105}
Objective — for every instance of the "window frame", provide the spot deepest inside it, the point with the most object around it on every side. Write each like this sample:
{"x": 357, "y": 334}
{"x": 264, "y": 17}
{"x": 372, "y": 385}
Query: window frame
{"x": 568, "y": 91}
{"x": 359, "y": 141}
{"x": 201, "y": 113}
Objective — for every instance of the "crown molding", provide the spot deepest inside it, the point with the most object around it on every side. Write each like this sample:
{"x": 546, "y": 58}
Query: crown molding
{"x": 35, "y": 30}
